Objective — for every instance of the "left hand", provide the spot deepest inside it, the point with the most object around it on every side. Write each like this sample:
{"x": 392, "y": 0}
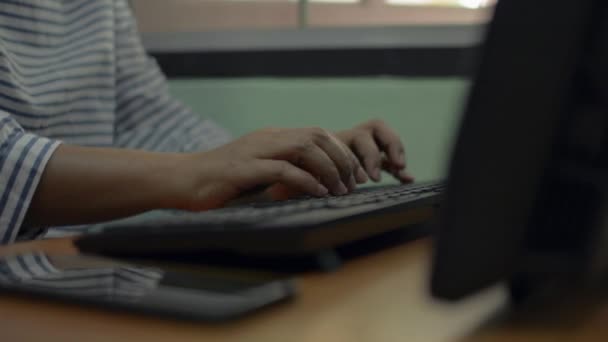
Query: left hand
{"x": 377, "y": 147}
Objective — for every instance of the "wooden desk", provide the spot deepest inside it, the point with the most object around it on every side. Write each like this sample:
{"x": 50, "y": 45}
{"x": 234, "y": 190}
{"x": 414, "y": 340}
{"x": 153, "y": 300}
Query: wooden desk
{"x": 381, "y": 297}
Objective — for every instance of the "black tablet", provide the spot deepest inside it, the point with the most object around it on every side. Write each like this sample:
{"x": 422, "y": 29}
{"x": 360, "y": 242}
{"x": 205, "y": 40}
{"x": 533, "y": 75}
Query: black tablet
{"x": 185, "y": 293}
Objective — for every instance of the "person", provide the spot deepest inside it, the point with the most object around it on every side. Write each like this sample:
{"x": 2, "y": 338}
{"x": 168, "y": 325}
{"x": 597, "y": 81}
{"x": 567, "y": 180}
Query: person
{"x": 89, "y": 131}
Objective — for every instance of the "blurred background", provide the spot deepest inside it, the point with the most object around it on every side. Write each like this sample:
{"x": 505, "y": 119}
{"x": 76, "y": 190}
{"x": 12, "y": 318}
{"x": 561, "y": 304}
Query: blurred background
{"x": 331, "y": 63}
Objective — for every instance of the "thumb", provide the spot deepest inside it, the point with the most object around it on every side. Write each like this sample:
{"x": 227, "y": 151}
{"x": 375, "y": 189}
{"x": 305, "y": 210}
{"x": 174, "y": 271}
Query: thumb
{"x": 281, "y": 192}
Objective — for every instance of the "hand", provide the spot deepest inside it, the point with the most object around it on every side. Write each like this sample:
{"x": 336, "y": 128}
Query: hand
{"x": 377, "y": 147}
{"x": 309, "y": 160}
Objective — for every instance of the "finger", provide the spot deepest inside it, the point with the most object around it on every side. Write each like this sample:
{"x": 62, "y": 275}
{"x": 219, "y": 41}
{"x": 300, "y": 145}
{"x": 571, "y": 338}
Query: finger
{"x": 334, "y": 150}
{"x": 368, "y": 153}
{"x": 404, "y": 177}
{"x": 314, "y": 160}
{"x": 281, "y": 192}
{"x": 283, "y": 172}
{"x": 400, "y": 174}
{"x": 358, "y": 175}
{"x": 390, "y": 143}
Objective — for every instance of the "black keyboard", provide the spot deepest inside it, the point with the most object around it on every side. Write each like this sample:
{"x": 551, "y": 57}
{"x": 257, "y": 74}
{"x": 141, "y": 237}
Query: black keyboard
{"x": 263, "y": 212}
{"x": 299, "y": 225}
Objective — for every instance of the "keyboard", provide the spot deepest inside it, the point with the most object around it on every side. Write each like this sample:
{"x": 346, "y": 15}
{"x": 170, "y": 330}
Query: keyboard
{"x": 292, "y": 226}
{"x": 268, "y": 211}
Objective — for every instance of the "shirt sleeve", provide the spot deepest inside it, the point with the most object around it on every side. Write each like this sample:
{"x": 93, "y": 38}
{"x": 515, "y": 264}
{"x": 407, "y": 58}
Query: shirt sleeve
{"x": 147, "y": 117}
{"x": 23, "y": 157}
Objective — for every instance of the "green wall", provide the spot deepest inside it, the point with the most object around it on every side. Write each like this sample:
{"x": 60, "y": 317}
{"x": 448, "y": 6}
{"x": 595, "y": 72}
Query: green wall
{"x": 423, "y": 111}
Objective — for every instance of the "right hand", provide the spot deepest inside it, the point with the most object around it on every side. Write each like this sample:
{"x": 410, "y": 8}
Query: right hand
{"x": 306, "y": 160}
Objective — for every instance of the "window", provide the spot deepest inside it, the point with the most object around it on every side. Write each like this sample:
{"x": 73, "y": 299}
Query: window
{"x": 214, "y": 15}
{"x": 398, "y": 12}
{"x": 472, "y": 4}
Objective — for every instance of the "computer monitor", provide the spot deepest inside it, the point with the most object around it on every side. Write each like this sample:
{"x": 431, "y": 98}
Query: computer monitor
{"x": 526, "y": 190}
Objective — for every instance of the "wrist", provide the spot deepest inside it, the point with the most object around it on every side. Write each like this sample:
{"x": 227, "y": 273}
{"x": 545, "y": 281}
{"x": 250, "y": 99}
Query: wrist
{"x": 193, "y": 184}
{"x": 170, "y": 176}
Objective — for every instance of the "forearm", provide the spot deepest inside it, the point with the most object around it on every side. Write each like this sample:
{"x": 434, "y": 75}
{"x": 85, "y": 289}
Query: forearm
{"x": 84, "y": 185}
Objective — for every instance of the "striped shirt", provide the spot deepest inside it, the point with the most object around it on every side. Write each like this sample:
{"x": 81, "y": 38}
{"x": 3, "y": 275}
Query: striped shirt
{"x": 75, "y": 71}
{"x": 84, "y": 278}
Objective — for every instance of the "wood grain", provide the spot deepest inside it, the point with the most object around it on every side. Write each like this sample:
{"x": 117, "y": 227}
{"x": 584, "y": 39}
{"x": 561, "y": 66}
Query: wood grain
{"x": 380, "y": 297}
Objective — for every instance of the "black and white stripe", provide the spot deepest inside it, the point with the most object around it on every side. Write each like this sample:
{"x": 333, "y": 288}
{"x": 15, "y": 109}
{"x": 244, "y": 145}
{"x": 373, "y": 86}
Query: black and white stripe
{"x": 93, "y": 279}
{"x": 75, "y": 71}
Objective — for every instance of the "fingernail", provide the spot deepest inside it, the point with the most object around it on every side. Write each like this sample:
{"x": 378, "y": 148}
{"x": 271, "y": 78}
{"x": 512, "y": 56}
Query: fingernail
{"x": 321, "y": 190}
{"x": 342, "y": 190}
{"x": 352, "y": 183}
{"x": 405, "y": 176}
{"x": 376, "y": 175}
{"x": 361, "y": 175}
{"x": 401, "y": 159}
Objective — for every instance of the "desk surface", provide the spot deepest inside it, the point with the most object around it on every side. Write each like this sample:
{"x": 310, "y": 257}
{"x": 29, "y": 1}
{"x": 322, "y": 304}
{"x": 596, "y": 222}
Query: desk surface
{"x": 381, "y": 297}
